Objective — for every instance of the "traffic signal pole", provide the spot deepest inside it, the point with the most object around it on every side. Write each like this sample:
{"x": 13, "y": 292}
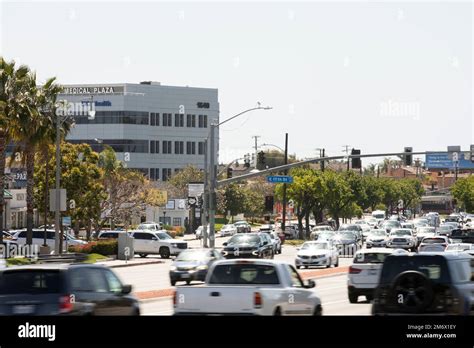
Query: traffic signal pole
{"x": 283, "y": 221}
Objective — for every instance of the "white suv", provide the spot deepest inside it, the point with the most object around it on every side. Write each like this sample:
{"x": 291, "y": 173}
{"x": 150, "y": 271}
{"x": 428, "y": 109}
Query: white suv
{"x": 364, "y": 273}
{"x": 150, "y": 226}
{"x": 160, "y": 242}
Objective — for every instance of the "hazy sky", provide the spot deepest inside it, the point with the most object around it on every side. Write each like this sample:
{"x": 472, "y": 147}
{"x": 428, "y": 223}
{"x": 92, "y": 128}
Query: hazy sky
{"x": 376, "y": 76}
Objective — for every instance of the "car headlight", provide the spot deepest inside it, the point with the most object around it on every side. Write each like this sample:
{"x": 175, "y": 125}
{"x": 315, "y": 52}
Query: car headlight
{"x": 255, "y": 252}
{"x": 224, "y": 253}
{"x": 172, "y": 268}
{"x": 202, "y": 267}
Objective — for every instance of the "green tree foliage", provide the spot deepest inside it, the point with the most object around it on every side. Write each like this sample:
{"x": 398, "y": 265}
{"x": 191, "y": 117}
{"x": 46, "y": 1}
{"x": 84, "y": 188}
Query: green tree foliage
{"x": 463, "y": 192}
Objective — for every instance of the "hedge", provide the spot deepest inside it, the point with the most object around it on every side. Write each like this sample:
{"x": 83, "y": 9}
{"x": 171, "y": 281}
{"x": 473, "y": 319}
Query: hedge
{"x": 102, "y": 247}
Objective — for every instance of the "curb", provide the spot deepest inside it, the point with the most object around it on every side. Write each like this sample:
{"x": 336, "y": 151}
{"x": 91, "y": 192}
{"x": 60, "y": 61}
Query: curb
{"x": 168, "y": 292}
{"x": 135, "y": 264}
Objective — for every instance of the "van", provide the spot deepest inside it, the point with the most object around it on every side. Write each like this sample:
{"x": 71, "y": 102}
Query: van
{"x": 38, "y": 239}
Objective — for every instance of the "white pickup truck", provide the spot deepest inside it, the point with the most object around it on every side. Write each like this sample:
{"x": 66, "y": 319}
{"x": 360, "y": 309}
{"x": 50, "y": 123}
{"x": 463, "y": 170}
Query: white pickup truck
{"x": 249, "y": 287}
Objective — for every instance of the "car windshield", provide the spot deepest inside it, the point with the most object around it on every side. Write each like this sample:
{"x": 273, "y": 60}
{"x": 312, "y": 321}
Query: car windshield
{"x": 377, "y": 233}
{"x": 391, "y": 223}
{"x": 163, "y": 235}
{"x": 400, "y": 233}
{"x": 244, "y": 274}
{"x": 349, "y": 228}
{"x": 146, "y": 227}
{"x": 378, "y": 216}
{"x": 318, "y": 246}
{"x": 193, "y": 255}
{"x": 370, "y": 257}
{"x": 445, "y": 228}
{"x": 346, "y": 235}
{"x": 433, "y": 267}
{"x": 244, "y": 239}
{"x": 433, "y": 240}
{"x": 30, "y": 282}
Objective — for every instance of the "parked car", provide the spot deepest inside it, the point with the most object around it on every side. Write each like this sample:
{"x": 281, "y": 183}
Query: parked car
{"x": 150, "y": 226}
{"x": 198, "y": 233}
{"x": 429, "y": 284}
{"x": 19, "y": 237}
{"x": 376, "y": 238}
{"x": 249, "y": 245}
{"x": 317, "y": 253}
{"x": 243, "y": 227}
{"x": 160, "y": 242}
{"x": 364, "y": 273}
{"x": 401, "y": 238}
{"x": 109, "y": 234}
{"x": 228, "y": 230}
{"x": 193, "y": 264}
{"x": 276, "y": 241}
{"x": 435, "y": 243}
{"x": 249, "y": 287}
{"x": 291, "y": 232}
{"x": 66, "y": 289}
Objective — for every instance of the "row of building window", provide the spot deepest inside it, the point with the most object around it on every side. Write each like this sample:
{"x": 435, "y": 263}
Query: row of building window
{"x": 166, "y": 173}
{"x": 142, "y": 146}
{"x": 178, "y": 147}
{"x": 166, "y": 120}
{"x": 143, "y": 118}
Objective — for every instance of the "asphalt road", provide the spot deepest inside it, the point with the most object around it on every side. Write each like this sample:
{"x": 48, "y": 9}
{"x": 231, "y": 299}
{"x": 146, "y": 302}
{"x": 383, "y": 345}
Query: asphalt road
{"x": 331, "y": 290}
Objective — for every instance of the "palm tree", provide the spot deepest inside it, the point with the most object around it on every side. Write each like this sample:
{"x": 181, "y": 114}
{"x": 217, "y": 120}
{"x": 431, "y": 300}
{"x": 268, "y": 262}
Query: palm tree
{"x": 30, "y": 128}
{"x": 11, "y": 79}
{"x": 387, "y": 162}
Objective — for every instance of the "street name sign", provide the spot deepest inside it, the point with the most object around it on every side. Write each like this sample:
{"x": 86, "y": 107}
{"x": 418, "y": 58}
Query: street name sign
{"x": 277, "y": 179}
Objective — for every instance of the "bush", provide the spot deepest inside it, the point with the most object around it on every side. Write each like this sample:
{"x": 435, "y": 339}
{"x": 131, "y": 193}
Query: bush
{"x": 167, "y": 227}
{"x": 102, "y": 247}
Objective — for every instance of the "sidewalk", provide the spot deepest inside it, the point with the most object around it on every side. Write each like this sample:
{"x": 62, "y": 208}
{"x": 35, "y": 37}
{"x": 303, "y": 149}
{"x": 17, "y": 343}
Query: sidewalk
{"x": 317, "y": 273}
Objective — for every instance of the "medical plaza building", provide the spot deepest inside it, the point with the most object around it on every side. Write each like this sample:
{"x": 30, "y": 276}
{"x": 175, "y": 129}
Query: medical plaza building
{"x": 154, "y": 128}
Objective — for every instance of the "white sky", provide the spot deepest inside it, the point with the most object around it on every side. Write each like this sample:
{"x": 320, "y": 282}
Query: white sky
{"x": 334, "y": 72}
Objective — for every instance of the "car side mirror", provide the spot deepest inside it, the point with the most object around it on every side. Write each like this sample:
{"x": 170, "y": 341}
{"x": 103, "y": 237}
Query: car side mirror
{"x": 126, "y": 289}
{"x": 224, "y": 244}
{"x": 310, "y": 284}
{"x": 154, "y": 238}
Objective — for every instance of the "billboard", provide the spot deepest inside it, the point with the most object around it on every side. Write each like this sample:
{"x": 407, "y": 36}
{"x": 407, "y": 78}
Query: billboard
{"x": 443, "y": 161}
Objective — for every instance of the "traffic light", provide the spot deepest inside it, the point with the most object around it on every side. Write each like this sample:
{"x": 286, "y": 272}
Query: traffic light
{"x": 408, "y": 159}
{"x": 229, "y": 172}
{"x": 261, "y": 159}
{"x": 356, "y": 162}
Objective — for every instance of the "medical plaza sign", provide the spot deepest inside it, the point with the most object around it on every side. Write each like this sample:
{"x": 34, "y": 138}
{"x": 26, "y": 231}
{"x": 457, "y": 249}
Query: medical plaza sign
{"x": 443, "y": 161}
{"x": 93, "y": 90}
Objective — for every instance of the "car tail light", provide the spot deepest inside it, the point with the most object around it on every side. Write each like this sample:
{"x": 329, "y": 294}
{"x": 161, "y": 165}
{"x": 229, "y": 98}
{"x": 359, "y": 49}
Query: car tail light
{"x": 65, "y": 304}
{"x": 353, "y": 270}
{"x": 174, "y": 298}
{"x": 257, "y": 300}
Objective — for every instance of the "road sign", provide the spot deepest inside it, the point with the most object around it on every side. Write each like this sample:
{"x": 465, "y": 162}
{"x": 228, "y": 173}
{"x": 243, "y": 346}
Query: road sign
{"x": 195, "y": 189}
{"x": 280, "y": 179}
{"x": 66, "y": 221}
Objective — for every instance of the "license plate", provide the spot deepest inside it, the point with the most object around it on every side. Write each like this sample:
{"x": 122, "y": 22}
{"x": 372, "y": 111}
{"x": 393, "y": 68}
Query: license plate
{"x": 185, "y": 275}
{"x": 23, "y": 309}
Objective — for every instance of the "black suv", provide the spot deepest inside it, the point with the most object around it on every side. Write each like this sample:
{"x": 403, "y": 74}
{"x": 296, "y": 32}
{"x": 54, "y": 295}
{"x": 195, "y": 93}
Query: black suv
{"x": 464, "y": 235}
{"x": 431, "y": 283}
{"x": 249, "y": 245}
{"x": 64, "y": 290}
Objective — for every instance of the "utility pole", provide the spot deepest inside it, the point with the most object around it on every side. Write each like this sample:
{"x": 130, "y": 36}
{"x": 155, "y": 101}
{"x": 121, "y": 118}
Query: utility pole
{"x": 283, "y": 221}
{"x": 204, "y": 199}
{"x": 347, "y": 153}
{"x": 256, "y": 149}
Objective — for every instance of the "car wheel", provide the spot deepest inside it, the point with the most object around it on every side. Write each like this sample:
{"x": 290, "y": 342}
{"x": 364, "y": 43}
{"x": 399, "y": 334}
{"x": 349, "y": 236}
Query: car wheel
{"x": 173, "y": 282}
{"x": 318, "y": 310}
{"x": 165, "y": 253}
{"x": 337, "y": 262}
{"x": 353, "y": 298}
{"x": 328, "y": 264}
{"x": 277, "y": 312}
{"x": 136, "y": 312}
{"x": 188, "y": 282}
{"x": 143, "y": 255}
{"x": 298, "y": 267}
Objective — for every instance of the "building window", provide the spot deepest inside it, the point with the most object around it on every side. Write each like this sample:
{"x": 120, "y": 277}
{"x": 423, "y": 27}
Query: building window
{"x": 200, "y": 121}
{"x": 152, "y": 119}
{"x": 193, "y": 121}
{"x": 176, "y": 221}
{"x": 119, "y": 145}
{"x": 179, "y": 147}
{"x": 201, "y": 148}
{"x": 167, "y": 147}
{"x": 205, "y": 121}
{"x": 154, "y": 146}
{"x": 190, "y": 120}
{"x": 166, "y": 174}
{"x": 167, "y": 120}
{"x": 154, "y": 174}
{"x": 178, "y": 120}
{"x": 190, "y": 148}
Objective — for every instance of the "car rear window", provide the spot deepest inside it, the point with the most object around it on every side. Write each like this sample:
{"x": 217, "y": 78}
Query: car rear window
{"x": 244, "y": 274}
{"x": 433, "y": 240}
{"x": 370, "y": 257}
{"x": 30, "y": 282}
{"x": 433, "y": 267}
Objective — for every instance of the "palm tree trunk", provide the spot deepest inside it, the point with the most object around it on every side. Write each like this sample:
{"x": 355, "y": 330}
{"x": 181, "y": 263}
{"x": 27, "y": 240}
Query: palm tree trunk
{"x": 2, "y": 180}
{"x": 30, "y": 166}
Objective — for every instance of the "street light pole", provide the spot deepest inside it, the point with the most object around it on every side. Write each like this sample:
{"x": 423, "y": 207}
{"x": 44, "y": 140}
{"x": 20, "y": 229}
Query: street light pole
{"x": 204, "y": 198}
{"x": 213, "y": 172}
{"x": 283, "y": 221}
